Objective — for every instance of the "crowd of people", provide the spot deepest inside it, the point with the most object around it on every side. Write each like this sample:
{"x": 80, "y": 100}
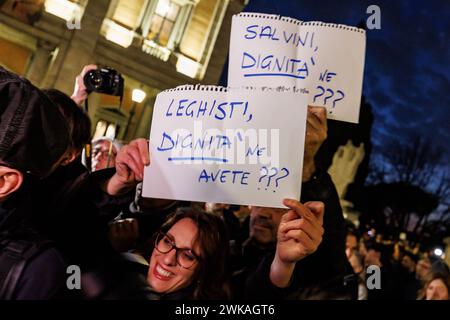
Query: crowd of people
{"x": 406, "y": 272}
{"x": 55, "y": 213}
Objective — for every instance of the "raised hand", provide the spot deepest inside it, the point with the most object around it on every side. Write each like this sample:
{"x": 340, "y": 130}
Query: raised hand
{"x": 80, "y": 93}
{"x": 316, "y": 133}
{"x": 300, "y": 231}
{"x": 130, "y": 163}
{"x": 299, "y": 235}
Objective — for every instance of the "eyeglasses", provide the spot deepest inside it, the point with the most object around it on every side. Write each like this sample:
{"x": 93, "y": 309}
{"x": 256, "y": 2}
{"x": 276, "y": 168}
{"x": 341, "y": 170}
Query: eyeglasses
{"x": 185, "y": 257}
{"x": 103, "y": 153}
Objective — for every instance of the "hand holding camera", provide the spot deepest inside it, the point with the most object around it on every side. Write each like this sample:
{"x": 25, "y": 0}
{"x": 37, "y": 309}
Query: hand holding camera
{"x": 93, "y": 79}
{"x": 104, "y": 80}
{"x": 80, "y": 92}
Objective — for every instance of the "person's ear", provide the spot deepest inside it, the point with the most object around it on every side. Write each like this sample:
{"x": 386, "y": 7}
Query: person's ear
{"x": 10, "y": 181}
{"x": 69, "y": 157}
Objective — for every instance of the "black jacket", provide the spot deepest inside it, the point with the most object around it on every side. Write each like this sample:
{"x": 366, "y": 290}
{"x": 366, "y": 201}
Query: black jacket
{"x": 71, "y": 204}
{"x": 31, "y": 267}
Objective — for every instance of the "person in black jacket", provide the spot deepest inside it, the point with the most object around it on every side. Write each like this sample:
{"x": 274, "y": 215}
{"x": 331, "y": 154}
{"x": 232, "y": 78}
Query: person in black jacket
{"x": 324, "y": 269}
{"x": 33, "y": 141}
{"x": 48, "y": 221}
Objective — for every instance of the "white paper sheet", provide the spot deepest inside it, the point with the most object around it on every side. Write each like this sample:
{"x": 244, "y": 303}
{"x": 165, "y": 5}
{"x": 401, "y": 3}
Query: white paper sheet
{"x": 236, "y": 146}
{"x": 325, "y": 59}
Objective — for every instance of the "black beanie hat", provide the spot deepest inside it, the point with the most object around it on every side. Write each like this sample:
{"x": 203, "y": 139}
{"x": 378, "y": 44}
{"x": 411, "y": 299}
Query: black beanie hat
{"x": 33, "y": 132}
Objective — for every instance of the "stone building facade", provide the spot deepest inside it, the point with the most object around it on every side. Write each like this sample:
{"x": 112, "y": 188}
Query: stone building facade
{"x": 154, "y": 44}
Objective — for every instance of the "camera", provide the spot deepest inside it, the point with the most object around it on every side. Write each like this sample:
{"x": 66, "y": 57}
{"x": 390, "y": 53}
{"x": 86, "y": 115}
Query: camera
{"x": 104, "y": 80}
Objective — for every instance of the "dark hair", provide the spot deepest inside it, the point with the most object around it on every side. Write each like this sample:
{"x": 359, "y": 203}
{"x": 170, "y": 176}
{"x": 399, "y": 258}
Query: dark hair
{"x": 411, "y": 254}
{"x": 210, "y": 279}
{"x": 78, "y": 120}
{"x": 33, "y": 133}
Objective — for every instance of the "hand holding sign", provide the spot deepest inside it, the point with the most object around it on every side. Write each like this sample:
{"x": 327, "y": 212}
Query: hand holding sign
{"x": 299, "y": 235}
{"x": 300, "y": 231}
{"x": 316, "y": 133}
{"x": 130, "y": 163}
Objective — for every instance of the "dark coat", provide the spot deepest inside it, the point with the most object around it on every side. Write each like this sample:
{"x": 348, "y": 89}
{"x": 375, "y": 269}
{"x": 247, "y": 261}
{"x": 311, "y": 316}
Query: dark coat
{"x": 73, "y": 216}
{"x": 31, "y": 267}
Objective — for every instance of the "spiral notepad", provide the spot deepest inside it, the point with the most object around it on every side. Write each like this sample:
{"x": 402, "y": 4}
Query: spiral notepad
{"x": 325, "y": 59}
{"x": 213, "y": 88}
{"x": 227, "y": 145}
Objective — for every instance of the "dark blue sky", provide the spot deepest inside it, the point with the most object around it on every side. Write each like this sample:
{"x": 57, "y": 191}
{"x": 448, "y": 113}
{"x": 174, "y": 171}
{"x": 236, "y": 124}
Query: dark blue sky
{"x": 407, "y": 69}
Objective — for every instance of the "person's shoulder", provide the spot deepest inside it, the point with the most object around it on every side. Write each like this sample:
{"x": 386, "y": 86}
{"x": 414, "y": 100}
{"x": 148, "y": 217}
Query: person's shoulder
{"x": 43, "y": 276}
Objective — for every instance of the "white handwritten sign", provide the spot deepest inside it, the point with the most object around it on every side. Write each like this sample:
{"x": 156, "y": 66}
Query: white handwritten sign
{"x": 326, "y": 59}
{"x": 237, "y": 146}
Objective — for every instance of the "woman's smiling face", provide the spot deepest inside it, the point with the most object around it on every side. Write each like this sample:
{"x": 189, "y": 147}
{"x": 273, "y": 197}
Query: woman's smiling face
{"x": 165, "y": 273}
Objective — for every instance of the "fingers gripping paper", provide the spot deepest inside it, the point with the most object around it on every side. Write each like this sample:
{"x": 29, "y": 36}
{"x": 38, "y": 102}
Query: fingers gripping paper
{"x": 326, "y": 59}
{"x": 237, "y": 146}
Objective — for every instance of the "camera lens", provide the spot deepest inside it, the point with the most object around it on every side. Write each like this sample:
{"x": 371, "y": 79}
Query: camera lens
{"x": 105, "y": 80}
{"x": 94, "y": 79}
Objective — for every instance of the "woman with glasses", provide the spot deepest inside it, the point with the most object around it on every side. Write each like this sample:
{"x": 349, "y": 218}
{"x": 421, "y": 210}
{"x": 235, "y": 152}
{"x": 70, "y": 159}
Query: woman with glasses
{"x": 189, "y": 256}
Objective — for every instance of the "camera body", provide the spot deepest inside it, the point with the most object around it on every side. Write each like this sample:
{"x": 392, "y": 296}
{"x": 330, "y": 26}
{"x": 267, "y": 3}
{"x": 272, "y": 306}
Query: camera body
{"x": 104, "y": 80}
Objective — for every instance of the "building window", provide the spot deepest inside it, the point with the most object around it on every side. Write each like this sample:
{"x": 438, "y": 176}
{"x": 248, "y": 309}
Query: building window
{"x": 123, "y": 17}
{"x": 106, "y": 129}
{"x": 66, "y": 9}
{"x": 163, "y": 21}
{"x": 128, "y": 13}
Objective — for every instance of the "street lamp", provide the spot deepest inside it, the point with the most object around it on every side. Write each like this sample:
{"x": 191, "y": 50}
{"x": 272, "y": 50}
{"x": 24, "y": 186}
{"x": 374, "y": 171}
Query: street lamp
{"x": 137, "y": 96}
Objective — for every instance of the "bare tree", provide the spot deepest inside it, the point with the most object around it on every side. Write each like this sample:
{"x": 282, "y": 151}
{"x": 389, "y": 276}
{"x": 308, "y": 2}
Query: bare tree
{"x": 419, "y": 164}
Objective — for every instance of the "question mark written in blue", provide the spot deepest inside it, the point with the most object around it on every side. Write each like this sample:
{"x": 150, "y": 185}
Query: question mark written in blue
{"x": 272, "y": 175}
{"x": 320, "y": 94}
{"x": 282, "y": 177}
{"x": 336, "y": 100}
{"x": 263, "y": 175}
{"x": 328, "y": 97}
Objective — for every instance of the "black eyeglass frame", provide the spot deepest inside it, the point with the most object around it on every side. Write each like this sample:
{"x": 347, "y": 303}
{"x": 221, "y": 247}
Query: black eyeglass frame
{"x": 161, "y": 235}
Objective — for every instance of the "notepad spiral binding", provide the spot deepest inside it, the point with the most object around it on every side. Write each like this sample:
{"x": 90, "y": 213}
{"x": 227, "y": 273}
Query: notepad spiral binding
{"x": 197, "y": 87}
{"x": 299, "y": 22}
{"x": 212, "y": 88}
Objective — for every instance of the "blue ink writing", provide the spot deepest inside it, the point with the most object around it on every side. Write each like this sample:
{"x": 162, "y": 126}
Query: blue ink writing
{"x": 269, "y": 65}
{"x": 251, "y": 33}
{"x": 326, "y": 76}
{"x": 197, "y": 158}
{"x": 259, "y": 151}
{"x": 270, "y": 33}
{"x": 338, "y": 99}
{"x": 169, "y": 142}
{"x": 272, "y": 175}
{"x": 319, "y": 94}
{"x": 298, "y": 39}
{"x": 274, "y": 172}
{"x": 328, "y": 97}
{"x": 264, "y": 32}
{"x": 282, "y": 177}
{"x": 212, "y": 109}
{"x": 263, "y": 175}
{"x": 225, "y": 176}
